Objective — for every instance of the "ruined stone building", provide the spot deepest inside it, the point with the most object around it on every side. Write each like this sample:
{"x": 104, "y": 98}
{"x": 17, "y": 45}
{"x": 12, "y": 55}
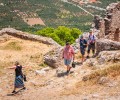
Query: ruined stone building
{"x": 113, "y": 20}
{"x": 109, "y": 26}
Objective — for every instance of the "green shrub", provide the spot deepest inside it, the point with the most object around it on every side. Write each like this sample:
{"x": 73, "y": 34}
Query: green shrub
{"x": 60, "y": 34}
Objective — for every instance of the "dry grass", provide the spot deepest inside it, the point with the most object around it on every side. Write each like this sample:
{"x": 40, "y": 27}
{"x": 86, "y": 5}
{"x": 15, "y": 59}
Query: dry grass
{"x": 82, "y": 88}
{"x": 89, "y": 86}
{"x": 4, "y": 65}
{"x": 12, "y": 46}
{"x": 28, "y": 53}
{"x": 112, "y": 70}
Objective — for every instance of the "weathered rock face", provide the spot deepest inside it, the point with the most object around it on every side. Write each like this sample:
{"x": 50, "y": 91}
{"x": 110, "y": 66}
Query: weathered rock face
{"x": 54, "y": 58}
{"x": 105, "y": 44}
{"x": 101, "y": 33}
{"x": 112, "y": 21}
{"x": 103, "y": 59}
{"x": 109, "y": 29}
{"x": 109, "y": 56}
{"x": 109, "y": 26}
{"x": 97, "y": 20}
{"x": 27, "y": 36}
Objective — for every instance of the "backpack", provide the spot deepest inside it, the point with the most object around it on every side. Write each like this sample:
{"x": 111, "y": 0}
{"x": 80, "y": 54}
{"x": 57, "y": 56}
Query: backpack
{"x": 93, "y": 39}
{"x": 93, "y": 36}
{"x": 73, "y": 64}
{"x": 24, "y": 77}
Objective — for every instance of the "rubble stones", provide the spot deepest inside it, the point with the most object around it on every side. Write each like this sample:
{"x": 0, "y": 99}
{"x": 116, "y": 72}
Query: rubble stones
{"x": 103, "y": 80}
{"x": 107, "y": 56}
{"x": 42, "y": 71}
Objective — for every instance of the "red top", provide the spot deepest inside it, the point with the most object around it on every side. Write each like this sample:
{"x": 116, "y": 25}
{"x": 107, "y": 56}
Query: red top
{"x": 68, "y": 52}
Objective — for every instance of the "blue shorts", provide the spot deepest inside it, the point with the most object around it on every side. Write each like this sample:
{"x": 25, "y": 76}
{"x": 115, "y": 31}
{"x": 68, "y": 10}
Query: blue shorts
{"x": 82, "y": 50}
{"x": 67, "y": 61}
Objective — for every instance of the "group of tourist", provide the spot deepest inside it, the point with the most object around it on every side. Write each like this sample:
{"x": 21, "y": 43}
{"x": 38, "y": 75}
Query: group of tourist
{"x": 68, "y": 51}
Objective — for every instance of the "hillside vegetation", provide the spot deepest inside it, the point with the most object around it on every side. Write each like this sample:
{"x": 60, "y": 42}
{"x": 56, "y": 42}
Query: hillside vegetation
{"x": 54, "y": 13}
{"x": 61, "y": 34}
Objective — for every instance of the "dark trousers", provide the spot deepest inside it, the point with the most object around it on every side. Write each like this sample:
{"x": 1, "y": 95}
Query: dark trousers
{"x": 91, "y": 46}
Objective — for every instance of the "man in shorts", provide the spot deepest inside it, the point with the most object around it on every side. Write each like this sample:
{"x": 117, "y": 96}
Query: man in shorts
{"x": 83, "y": 45}
{"x": 68, "y": 56}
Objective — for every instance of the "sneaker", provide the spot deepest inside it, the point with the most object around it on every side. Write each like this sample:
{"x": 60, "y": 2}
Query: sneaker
{"x": 87, "y": 57}
{"x": 24, "y": 88}
{"x": 67, "y": 72}
{"x": 13, "y": 91}
{"x": 93, "y": 56}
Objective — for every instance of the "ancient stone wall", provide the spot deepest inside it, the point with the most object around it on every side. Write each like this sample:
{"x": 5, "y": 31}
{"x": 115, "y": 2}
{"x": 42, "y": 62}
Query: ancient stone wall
{"x": 112, "y": 22}
{"x": 109, "y": 26}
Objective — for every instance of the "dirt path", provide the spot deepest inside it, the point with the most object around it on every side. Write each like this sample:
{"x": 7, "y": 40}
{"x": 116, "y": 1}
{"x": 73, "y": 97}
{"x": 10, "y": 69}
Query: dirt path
{"x": 51, "y": 87}
{"x": 46, "y": 87}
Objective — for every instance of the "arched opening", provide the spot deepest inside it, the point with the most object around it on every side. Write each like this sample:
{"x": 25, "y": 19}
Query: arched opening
{"x": 117, "y": 35}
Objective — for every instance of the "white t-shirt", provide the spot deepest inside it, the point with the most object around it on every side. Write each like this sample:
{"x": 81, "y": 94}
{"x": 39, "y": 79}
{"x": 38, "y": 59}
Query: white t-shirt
{"x": 91, "y": 38}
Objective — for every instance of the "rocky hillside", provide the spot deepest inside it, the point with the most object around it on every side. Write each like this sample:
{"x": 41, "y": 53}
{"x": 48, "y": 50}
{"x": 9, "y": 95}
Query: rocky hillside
{"x": 97, "y": 78}
{"x": 21, "y": 14}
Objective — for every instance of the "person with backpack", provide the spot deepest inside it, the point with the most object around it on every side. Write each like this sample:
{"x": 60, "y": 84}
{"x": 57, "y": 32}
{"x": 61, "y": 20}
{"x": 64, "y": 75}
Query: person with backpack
{"x": 68, "y": 55}
{"x": 83, "y": 45}
{"x": 19, "y": 77}
{"x": 91, "y": 43}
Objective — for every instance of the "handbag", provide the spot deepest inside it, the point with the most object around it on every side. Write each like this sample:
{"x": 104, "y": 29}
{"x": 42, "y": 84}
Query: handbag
{"x": 24, "y": 77}
{"x": 73, "y": 64}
